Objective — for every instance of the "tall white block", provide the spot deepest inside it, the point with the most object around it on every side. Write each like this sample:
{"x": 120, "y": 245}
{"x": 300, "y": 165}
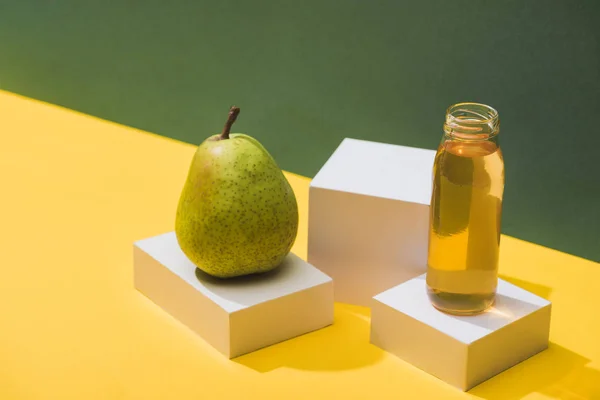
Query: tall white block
{"x": 460, "y": 350}
{"x": 369, "y": 216}
{"x": 239, "y": 315}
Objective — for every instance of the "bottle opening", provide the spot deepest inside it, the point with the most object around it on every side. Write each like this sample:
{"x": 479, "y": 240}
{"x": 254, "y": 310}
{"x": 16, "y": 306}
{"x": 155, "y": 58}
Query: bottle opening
{"x": 471, "y": 121}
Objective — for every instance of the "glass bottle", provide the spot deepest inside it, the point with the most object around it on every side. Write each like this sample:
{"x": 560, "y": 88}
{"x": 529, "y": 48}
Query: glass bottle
{"x": 465, "y": 211}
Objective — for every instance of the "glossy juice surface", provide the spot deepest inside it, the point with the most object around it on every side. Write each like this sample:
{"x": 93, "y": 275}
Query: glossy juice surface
{"x": 464, "y": 231}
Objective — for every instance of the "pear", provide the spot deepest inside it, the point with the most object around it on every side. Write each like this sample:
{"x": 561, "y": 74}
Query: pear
{"x": 237, "y": 213}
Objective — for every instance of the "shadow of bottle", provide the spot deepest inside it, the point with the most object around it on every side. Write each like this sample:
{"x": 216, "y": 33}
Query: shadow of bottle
{"x": 540, "y": 290}
{"x": 556, "y": 372}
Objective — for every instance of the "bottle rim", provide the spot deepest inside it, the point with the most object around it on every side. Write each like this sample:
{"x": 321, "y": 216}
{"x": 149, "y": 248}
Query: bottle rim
{"x": 471, "y": 121}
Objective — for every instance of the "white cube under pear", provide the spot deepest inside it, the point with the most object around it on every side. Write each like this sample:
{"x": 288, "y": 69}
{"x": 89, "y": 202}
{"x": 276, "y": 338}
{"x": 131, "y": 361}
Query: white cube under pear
{"x": 369, "y": 216}
{"x": 460, "y": 350}
{"x": 235, "y": 316}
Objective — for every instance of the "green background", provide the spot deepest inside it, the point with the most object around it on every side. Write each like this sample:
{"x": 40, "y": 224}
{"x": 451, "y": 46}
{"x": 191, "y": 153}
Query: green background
{"x": 309, "y": 73}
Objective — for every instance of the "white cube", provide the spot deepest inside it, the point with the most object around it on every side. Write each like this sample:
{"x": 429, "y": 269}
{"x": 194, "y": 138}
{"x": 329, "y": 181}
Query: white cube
{"x": 369, "y": 217}
{"x": 239, "y": 315}
{"x": 460, "y": 350}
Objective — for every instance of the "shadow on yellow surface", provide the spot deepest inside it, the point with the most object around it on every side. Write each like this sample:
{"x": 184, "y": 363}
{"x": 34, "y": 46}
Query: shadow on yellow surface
{"x": 556, "y": 372}
{"x": 581, "y": 383}
{"x": 341, "y": 346}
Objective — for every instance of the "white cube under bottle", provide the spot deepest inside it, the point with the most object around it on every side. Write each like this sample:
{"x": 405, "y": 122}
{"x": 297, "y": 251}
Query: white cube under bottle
{"x": 368, "y": 217}
{"x": 239, "y": 315}
{"x": 460, "y": 350}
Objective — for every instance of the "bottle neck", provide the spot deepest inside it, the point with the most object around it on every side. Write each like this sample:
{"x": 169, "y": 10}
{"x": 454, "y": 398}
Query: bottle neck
{"x": 471, "y": 122}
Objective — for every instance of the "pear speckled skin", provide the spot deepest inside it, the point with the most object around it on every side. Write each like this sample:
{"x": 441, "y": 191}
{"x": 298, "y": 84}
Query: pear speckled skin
{"x": 237, "y": 214}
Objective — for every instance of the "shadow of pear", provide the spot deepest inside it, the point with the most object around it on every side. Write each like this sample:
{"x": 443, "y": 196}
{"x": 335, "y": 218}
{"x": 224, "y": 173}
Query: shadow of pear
{"x": 246, "y": 289}
{"x": 341, "y": 346}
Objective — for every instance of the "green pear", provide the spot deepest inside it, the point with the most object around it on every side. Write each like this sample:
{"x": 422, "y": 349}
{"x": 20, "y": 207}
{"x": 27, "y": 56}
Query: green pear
{"x": 237, "y": 214}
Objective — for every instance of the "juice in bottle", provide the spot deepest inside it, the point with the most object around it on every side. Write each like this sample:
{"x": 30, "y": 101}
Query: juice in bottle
{"x": 465, "y": 212}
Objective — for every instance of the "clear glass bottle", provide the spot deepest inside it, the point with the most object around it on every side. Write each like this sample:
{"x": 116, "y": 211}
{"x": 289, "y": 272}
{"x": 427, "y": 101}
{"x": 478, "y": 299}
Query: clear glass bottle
{"x": 465, "y": 212}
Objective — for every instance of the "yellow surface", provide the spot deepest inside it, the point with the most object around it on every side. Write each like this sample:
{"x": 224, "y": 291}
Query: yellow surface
{"x": 77, "y": 191}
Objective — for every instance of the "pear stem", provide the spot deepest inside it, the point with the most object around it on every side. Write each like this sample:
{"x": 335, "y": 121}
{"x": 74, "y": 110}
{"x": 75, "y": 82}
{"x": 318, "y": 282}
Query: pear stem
{"x": 233, "y": 113}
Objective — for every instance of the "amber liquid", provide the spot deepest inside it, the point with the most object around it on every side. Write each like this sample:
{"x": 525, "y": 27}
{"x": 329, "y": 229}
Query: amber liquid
{"x": 464, "y": 231}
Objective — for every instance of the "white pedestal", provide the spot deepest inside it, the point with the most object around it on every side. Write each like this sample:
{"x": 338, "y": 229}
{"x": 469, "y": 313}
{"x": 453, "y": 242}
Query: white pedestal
{"x": 239, "y": 315}
{"x": 460, "y": 350}
{"x": 369, "y": 216}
